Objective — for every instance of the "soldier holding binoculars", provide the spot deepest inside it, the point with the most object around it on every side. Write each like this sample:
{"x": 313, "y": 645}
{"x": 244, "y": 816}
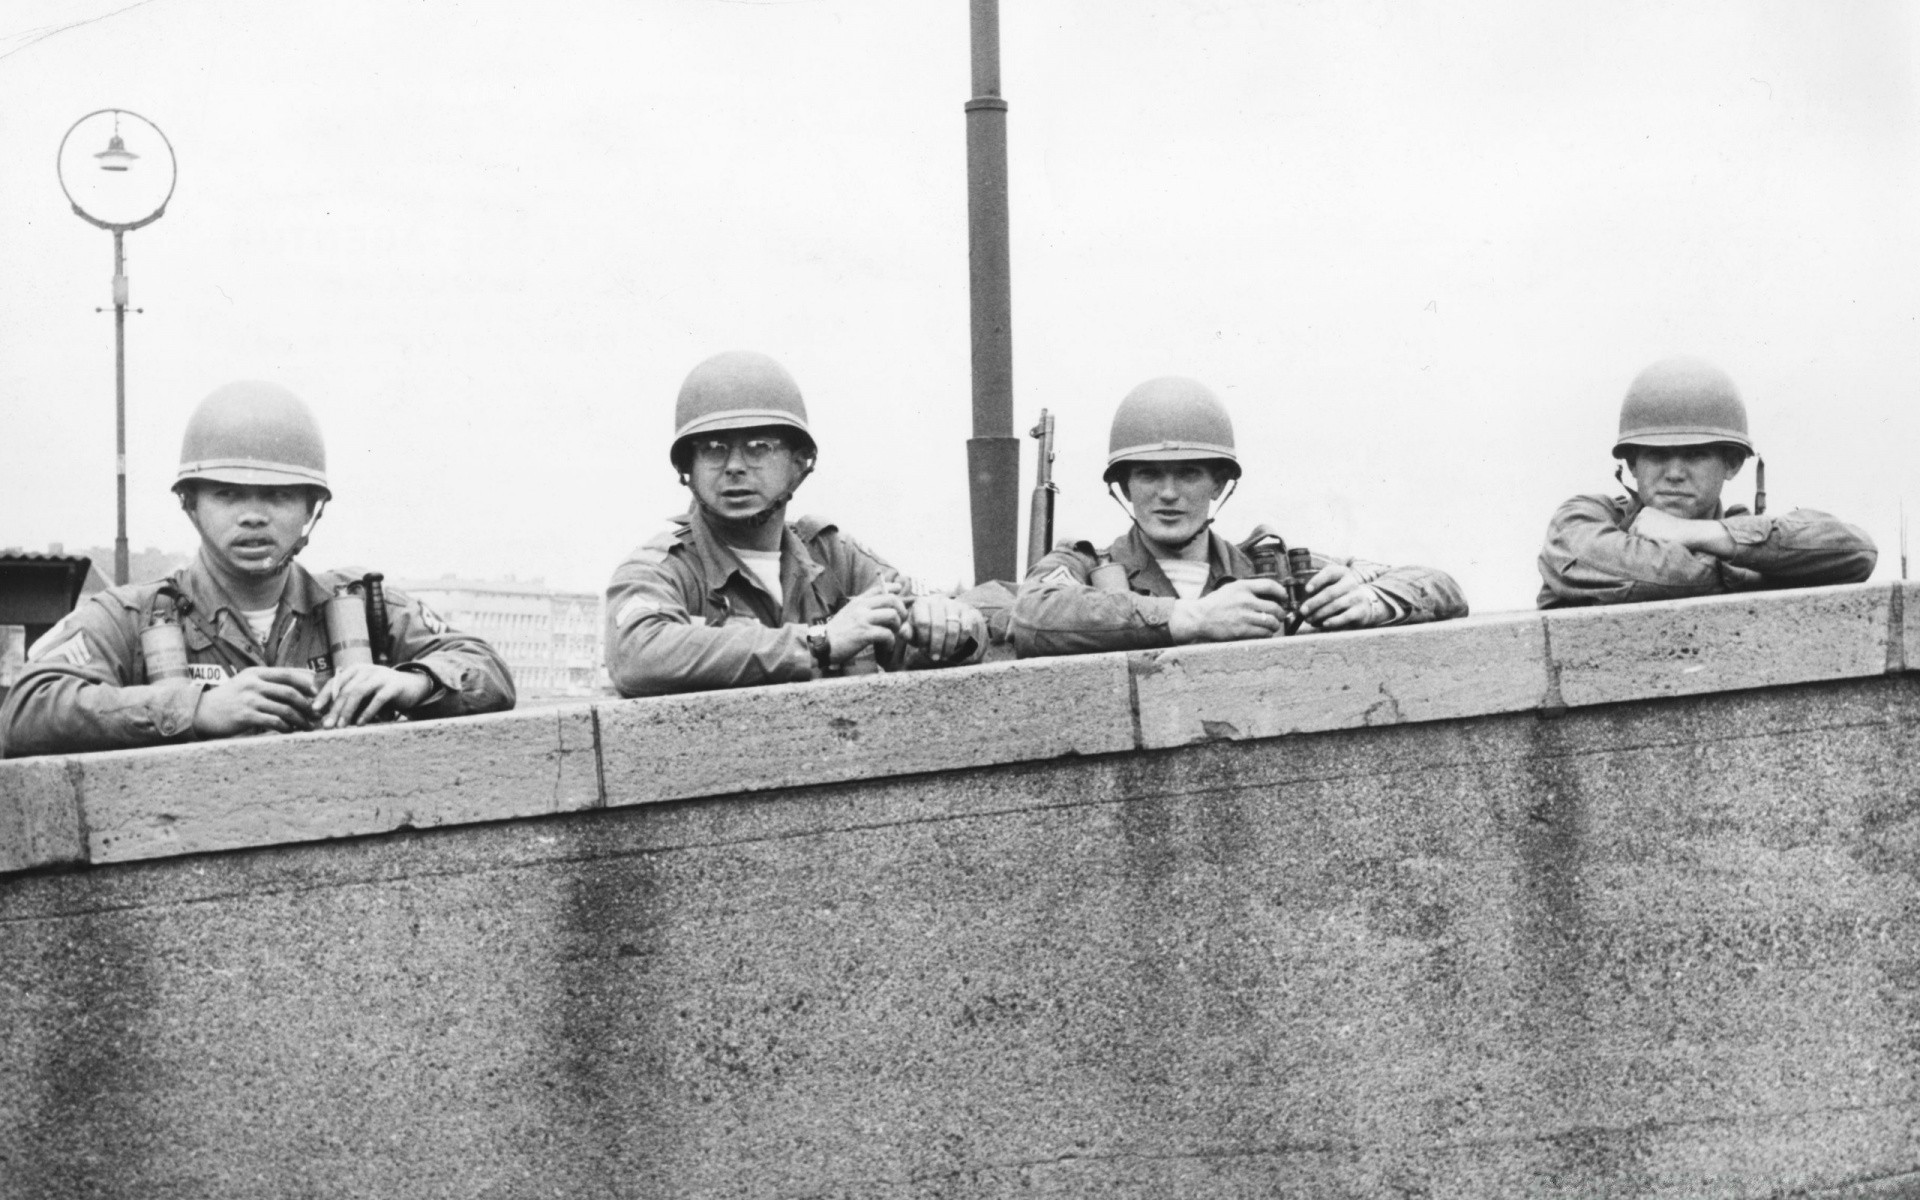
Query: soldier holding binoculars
{"x": 1170, "y": 580}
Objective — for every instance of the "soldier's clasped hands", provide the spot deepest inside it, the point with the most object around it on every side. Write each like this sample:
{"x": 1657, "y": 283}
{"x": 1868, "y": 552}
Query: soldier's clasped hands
{"x": 946, "y": 629}
{"x": 257, "y": 700}
{"x": 357, "y": 694}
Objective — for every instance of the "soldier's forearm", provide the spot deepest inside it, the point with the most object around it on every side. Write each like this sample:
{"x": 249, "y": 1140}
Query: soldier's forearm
{"x": 69, "y": 715}
{"x": 659, "y": 659}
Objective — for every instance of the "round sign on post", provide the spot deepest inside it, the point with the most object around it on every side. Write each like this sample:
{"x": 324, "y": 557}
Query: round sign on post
{"x": 117, "y": 169}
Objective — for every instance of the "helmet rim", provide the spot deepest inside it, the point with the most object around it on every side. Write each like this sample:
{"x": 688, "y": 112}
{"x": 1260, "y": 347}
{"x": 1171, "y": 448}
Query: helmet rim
{"x": 250, "y": 474}
{"x": 740, "y": 418}
{"x": 1667, "y": 438}
{"x": 1171, "y": 452}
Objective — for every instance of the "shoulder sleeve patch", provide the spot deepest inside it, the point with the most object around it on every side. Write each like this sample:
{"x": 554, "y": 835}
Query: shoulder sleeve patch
{"x": 635, "y": 608}
{"x": 73, "y": 650}
{"x": 431, "y": 619}
{"x": 49, "y": 639}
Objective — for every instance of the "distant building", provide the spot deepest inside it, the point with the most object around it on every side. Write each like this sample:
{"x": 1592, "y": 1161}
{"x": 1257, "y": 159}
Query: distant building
{"x": 551, "y": 640}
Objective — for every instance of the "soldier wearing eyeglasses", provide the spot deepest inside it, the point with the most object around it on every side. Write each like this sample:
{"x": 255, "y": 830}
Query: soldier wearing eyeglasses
{"x": 732, "y": 595}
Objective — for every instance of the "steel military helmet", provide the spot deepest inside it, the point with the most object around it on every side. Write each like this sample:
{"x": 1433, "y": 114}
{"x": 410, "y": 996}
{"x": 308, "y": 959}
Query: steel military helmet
{"x": 1170, "y": 419}
{"x": 254, "y": 433}
{"x": 1682, "y": 402}
{"x": 737, "y": 389}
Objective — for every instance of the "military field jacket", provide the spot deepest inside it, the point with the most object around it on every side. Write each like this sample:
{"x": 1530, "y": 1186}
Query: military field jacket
{"x": 1591, "y": 556}
{"x": 1059, "y": 611}
{"x": 685, "y": 613}
{"x": 85, "y": 684}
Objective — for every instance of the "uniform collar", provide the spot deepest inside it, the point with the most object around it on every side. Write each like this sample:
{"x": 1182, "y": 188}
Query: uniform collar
{"x": 303, "y": 593}
{"x": 719, "y": 564}
{"x": 1132, "y": 551}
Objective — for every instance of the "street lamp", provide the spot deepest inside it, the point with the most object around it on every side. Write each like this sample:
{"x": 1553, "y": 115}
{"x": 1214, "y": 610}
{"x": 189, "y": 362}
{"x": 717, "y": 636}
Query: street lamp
{"x": 993, "y": 453}
{"x": 117, "y": 189}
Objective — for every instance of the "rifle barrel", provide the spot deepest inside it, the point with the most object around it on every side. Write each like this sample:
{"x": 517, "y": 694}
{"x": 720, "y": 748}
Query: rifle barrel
{"x": 1040, "y": 513}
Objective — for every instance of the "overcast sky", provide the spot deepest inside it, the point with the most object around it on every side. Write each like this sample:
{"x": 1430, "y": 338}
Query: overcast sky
{"x": 1419, "y": 248}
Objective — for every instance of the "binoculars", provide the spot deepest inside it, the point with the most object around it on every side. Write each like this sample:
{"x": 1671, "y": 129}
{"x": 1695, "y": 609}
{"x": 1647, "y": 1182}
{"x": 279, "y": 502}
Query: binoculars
{"x": 1268, "y": 554}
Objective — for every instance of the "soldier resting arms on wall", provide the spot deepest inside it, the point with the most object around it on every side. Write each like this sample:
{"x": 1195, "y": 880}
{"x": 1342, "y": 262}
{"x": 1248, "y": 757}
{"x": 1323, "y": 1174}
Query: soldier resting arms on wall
{"x": 1170, "y": 579}
{"x": 237, "y": 641}
{"x": 1683, "y": 435}
{"x": 732, "y": 595}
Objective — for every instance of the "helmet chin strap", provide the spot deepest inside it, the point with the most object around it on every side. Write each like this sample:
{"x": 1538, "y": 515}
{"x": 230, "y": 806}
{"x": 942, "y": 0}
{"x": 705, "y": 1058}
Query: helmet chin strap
{"x": 1618, "y": 468}
{"x": 300, "y": 543}
{"x": 1196, "y": 534}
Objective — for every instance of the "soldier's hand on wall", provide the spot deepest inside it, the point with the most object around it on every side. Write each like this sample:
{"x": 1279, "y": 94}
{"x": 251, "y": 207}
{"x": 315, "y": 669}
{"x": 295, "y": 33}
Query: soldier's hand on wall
{"x": 1245, "y": 608}
{"x": 1707, "y": 537}
{"x": 1339, "y": 598}
{"x": 869, "y": 619}
{"x": 357, "y": 694}
{"x": 257, "y": 700}
{"x": 947, "y": 629}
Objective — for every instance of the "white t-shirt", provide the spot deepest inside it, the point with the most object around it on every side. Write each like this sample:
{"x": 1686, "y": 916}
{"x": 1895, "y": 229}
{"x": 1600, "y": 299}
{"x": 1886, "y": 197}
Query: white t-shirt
{"x": 1188, "y": 576}
{"x": 261, "y": 621}
{"x": 766, "y": 565}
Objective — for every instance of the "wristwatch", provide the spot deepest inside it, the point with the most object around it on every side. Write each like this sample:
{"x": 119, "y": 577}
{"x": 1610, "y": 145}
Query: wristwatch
{"x": 821, "y": 645}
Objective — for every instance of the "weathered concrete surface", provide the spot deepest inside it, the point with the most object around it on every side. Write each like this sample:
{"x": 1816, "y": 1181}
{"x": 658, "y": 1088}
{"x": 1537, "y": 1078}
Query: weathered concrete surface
{"x": 40, "y": 816}
{"x": 189, "y": 800}
{"x": 1663, "y": 949}
{"x": 1308, "y": 684}
{"x": 1721, "y": 643}
{"x": 265, "y": 791}
{"x": 717, "y": 743}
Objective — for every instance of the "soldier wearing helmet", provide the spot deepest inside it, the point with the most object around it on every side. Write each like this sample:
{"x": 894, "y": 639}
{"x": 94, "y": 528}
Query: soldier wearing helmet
{"x": 732, "y": 595}
{"x": 1171, "y": 580}
{"x": 1683, "y": 436}
{"x": 251, "y": 650}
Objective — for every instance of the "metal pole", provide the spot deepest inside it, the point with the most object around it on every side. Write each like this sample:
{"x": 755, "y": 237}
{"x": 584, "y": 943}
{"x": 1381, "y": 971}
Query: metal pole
{"x": 993, "y": 452}
{"x": 120, "y": 567}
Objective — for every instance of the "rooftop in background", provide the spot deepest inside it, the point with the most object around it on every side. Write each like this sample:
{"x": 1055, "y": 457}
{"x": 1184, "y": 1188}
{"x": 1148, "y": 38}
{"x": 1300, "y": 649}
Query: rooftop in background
{"x": 25, "y": 573}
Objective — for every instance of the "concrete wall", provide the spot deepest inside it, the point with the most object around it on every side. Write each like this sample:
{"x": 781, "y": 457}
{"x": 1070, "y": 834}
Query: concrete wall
{"x": 1615, "y": 903}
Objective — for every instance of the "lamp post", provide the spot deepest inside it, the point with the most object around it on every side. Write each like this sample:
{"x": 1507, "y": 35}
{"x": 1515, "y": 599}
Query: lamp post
{"x": 118, "y": 189}
{"x": 993, "y": 453}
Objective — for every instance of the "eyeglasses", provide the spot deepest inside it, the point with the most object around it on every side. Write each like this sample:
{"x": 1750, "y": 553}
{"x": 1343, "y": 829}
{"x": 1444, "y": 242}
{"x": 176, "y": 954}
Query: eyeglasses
{"x": 714, "y": 452}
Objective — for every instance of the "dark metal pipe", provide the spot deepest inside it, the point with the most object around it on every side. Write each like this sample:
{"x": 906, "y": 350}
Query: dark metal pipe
{"x": 993, "y": 452}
